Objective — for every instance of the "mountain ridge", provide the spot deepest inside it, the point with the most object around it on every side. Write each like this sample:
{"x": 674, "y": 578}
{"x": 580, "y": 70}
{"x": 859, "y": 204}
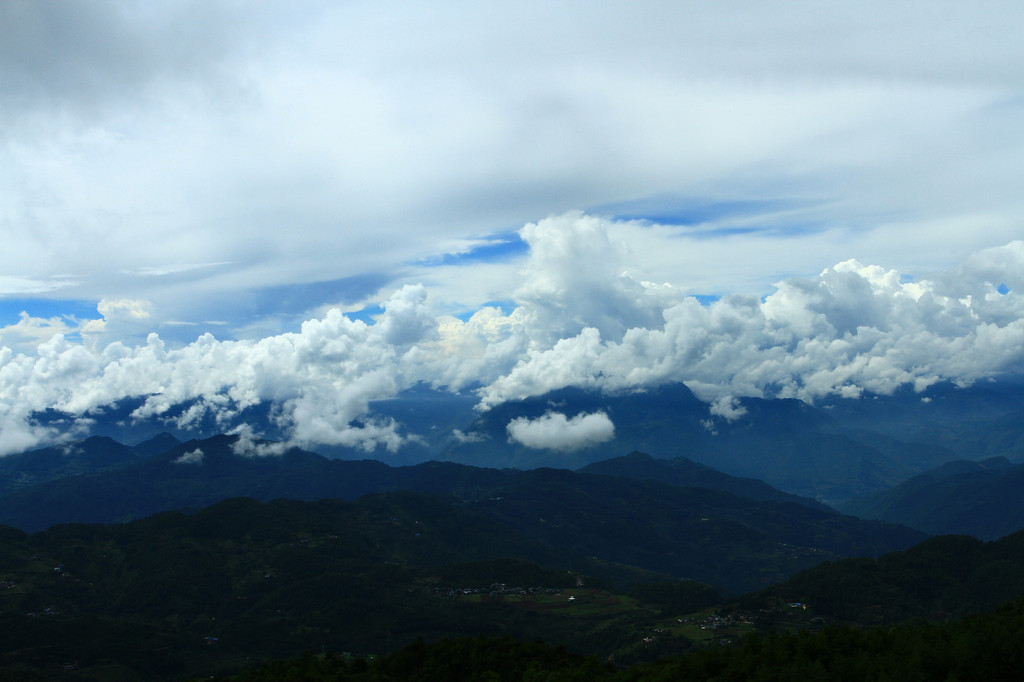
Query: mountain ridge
{"x": 833, "y": 450}
{"x": 655, "y": 524}
{"x": 981, "y": 499}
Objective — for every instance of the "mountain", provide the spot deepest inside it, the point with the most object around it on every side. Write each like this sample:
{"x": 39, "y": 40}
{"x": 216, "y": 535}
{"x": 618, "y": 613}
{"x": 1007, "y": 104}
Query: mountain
{"x": 710, "y": 536}
{"x": 686, "y": 473}
{"x": 663, "y": 420}
{"x": 38, "y": 466}
{"x": 942, "y": 577}
{"x": 160, "y": 443}
{"x": 793, "y": 446}
{"x": 193, "y": 474}
{"x": 976, "y": 422}
{"x": 803, "y": 450}
{"x": 428, "y": 415}
{"x": 706, "y": 534}
{"x": 351, "y": 554}
{"x": 242, "y": 581}
{"x": 982, "y": 499}
{"x": 830, "y": 451}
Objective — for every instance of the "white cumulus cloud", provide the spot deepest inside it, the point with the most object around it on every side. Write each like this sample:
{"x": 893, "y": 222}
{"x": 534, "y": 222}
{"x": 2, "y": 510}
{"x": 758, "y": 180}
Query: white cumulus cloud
{"x": 853, "y": 328}
{"x": 193, "y": 457}
{"x": 555, "y": 431}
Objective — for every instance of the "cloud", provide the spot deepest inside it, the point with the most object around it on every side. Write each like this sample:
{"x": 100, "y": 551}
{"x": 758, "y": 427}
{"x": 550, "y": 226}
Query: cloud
{"x": 574, "y": 279}
{"x": 321, "y": 379}
{"x": 294, "y": 147}
{"x": 193, "y": 457}
{"x": 853, "y": 328}
{"x": 727, "y": 407}
{"x": 27, "y": 285}
{"x": 472, "y": 437}
{"x": 555, "y": 431}
{"x": 248, "y": 445}
{"x": 172, "y": 269}
{"x": 242, "y": 187}
{"x": 115, "y": 317}
{"x": 107, "y": 50}
{"x": 28, "y": 332}
{"x": 407, "y": 321}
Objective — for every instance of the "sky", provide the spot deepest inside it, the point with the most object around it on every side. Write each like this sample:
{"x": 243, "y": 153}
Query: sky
{"x": 320, "y": 204}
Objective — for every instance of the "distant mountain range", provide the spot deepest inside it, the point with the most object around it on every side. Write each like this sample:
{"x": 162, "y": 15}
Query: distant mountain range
{"x": 877, "y": 457}
{"x": 983, "y": 499}
{"x": 92, "y": 454}
{"x": 673, "y": 517}
{"x": 833, "y": 451}
{"x": 689, "y": 474}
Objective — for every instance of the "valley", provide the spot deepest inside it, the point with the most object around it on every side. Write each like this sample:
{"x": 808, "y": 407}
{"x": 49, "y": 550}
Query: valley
{"x": 218, "y": 554}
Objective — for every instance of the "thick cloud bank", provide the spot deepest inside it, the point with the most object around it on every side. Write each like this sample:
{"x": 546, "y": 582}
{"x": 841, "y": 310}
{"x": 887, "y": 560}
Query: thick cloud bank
{"x": 585, "y": 317}
{"x": 555, "y": 431}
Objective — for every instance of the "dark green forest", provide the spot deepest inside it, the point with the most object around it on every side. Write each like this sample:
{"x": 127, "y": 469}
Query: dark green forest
{"x": 409, "y": 586}
{"x": 984, "y": 647}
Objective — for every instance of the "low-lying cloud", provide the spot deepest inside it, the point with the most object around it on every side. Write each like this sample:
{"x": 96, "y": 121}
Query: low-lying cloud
{"x": 192, "y": 457}
{"x": 555, "y": 431}
{"x": 852, "y": 329}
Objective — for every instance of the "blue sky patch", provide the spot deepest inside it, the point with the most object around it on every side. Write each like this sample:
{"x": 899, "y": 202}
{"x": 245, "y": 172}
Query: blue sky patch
{"x": 366, "y": 314}
{"x": 11, "y": 309}
{"x": 719, "y": 232}
{"x": 300, "y": 298}
{"x": 668, "y": 210}
{"x": 506, "y": 307}
{"x": 501, "y": 247}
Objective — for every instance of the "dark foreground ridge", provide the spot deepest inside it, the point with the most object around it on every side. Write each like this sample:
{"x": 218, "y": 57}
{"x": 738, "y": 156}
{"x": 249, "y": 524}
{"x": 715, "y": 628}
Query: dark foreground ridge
{"x": 244, "y": 582}
{"x": 694, "y": 523}
{"x": 982, "y": 648}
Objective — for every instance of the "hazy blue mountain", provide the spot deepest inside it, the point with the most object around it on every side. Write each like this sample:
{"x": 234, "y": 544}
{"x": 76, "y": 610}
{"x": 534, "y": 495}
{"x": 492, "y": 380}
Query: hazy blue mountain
{"x": 198, "y": 473}
{"x": 793, "y": 446}
{"x": 181, "y": 478}
{"x": 156, "y": 445}
{"x": 73, "y": 459}
{"x": 684, "y": 472}
{"x": 428, "y": 414}
{"x": 980, "y": 421}
{"x": 982, "y": 499}
{"x": 113, "y": 421}
{"x": 832, "y": 451}
{"x": 666, "y": 420}
{"x": 700, "y": 533}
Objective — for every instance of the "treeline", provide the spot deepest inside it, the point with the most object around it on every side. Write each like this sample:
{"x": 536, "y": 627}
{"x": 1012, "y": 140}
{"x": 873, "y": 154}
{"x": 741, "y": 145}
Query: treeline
{"x": 941, "y": 578}
{"x": 242, "y": 583}
{"x": 983, "y": 647}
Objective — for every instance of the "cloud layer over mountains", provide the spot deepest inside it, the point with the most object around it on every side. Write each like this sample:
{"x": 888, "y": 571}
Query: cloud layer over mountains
{"x": 191, "y": 166}
{"x": 583, "y": 315}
